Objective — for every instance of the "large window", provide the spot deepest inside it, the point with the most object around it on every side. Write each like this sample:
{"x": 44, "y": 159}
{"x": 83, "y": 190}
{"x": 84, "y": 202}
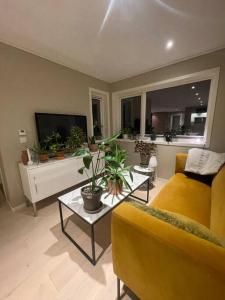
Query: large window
{"x": 184, "y": 105}
{"x": 131, "y": 114}
{"x": 181, "y": 109}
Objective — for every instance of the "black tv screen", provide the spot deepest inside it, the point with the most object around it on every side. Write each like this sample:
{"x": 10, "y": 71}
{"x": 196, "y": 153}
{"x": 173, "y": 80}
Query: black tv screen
{"x": 47, "y": 123}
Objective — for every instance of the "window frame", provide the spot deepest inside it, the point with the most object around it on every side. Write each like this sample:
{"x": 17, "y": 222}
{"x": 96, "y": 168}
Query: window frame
{"x": 209, "y": 74}
{"x": 104, "y": 107}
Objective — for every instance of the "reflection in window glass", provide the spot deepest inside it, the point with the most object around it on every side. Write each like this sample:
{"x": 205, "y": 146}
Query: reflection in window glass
{"x": 131, "y": 114}
{"x": 182, "y": 109}
{"x": 96, "y": 114}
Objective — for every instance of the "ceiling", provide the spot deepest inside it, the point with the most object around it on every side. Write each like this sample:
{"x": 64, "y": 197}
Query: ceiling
{"x": 113, "y": 39}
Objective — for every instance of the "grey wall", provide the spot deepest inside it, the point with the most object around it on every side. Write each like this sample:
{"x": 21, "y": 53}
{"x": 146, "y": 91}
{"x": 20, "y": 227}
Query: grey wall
{"x": 31, "y": 84}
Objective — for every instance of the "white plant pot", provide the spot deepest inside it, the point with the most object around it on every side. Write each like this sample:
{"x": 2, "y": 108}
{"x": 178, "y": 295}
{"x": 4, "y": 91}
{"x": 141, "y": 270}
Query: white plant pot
{"x": 125, "y": 136}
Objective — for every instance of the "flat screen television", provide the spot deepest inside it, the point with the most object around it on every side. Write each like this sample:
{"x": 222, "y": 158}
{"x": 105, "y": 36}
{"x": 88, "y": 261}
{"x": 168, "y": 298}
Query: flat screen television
{"x": 47, "y": 123}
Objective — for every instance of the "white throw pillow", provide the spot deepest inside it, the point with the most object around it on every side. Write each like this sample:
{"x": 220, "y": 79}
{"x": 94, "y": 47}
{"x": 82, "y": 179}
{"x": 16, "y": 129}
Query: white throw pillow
{"x": 204, "y": 162}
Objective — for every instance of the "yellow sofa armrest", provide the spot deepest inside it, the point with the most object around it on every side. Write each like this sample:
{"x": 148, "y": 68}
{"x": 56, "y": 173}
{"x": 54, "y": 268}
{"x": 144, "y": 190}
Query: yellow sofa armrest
{"x": 180, "y": 162}
{"x": 159, "y": 261}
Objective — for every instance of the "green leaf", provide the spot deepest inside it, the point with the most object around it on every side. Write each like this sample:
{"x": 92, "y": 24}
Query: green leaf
{"x": 87, "y": 161}
{"x": 81, "y": 170}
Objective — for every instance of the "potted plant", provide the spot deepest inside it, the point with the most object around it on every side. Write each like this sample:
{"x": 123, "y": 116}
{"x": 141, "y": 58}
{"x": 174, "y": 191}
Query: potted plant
{"x": 92, "y": 144}
{"x": 145, "y": 150}
{"x": 92, "y": 192}
{"x": 126, "y": 133}
{"x": 76, "y": 138}
{"x": 55, "y": 145}
{"x": 115, "y": 171}
{"x": 169, "y": 135}
{"x": 41, "y": 151}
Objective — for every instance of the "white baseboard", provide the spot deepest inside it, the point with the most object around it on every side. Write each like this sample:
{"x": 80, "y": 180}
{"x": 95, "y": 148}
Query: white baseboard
{"x": 18, "y": 207}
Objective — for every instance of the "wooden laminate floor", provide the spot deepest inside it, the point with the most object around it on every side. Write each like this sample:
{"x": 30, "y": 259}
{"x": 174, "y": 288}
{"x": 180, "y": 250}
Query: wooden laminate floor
{"x": 37, "y": 262}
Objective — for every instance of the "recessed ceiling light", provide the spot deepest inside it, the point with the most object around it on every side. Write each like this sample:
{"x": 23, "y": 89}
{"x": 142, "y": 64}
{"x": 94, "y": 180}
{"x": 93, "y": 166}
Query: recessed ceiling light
{"x": 169, "y": 44}
{"x": 193, "y": 87}
{"x": 196, "y": 94}
{"x": 199, "y": 98}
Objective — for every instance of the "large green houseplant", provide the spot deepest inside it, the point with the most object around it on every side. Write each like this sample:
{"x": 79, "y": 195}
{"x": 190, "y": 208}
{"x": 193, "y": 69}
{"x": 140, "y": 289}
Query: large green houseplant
{"x": 110, "y": 160}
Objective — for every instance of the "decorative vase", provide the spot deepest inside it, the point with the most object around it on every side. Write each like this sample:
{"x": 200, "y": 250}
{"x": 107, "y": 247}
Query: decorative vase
{"x": 115, "y": 187}
{"x": 153, "y": 165}
{"x": 144, "y": 159}
{"x": 92, "y": 200}
{"x": 24, "y": 157}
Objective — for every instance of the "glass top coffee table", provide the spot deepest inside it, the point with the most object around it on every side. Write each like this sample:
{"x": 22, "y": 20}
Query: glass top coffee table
{"x": 74, "y": 202}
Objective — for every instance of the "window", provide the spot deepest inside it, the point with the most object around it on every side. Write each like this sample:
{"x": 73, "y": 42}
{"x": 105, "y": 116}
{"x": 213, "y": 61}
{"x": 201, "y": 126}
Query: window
{"x": 181, "y": 109}
{"x": 183, "y": 104}
{"x": 131, "y": 114}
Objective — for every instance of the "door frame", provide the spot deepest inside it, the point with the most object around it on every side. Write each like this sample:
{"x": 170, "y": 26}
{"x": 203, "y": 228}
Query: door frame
{"x": 103, "y": 96}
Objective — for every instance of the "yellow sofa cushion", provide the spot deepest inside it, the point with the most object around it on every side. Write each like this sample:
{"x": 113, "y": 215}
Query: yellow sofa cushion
{"x": 187, "y": 197}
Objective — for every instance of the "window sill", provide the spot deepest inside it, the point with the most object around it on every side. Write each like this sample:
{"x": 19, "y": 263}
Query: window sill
{"x": 179, "y": 143}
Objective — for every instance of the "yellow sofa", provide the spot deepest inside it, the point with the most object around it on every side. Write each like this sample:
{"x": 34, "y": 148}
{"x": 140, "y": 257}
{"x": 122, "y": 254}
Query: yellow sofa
{"x": 159, "y": 261}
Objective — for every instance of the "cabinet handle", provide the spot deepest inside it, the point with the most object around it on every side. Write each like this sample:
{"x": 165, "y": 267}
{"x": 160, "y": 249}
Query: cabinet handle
{"x": 35, "y": 185}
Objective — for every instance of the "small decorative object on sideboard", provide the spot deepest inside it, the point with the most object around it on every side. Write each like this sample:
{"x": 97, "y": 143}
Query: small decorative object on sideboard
{"x": 24, "y": 157}
{"x": 126, "y": 133}
{"x": 169, "y": 135}
{"x": 92, "y": 145}
{"x": 30, "y": 162}
{"x": 145, "y": 150}
{"x": 41, "y": 151}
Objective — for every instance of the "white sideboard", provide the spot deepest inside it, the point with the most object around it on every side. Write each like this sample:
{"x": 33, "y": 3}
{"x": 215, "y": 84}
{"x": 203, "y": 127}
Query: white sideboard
{"x": 46, "y": 179}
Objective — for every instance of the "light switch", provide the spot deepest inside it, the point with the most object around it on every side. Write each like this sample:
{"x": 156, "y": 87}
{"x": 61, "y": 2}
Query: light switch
{"x": 23, "y": 139}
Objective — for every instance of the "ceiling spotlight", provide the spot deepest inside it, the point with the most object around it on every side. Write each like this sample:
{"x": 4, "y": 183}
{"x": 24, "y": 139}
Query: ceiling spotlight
{"x": 201, "y": 103}
{"x": 169, "y": 44}
{"x": 196, "y": 94}
{"x": 193, "y": 87}
{"x": 199, "y": 98}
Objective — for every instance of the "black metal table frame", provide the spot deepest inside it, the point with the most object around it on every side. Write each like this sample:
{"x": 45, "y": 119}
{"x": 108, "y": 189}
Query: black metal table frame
{"x": 93, "y": 258}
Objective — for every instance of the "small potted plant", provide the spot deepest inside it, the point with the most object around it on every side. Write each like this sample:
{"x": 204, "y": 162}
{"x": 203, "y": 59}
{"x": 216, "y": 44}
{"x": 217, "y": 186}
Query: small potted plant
{"x": 92, "y": 144}
{"x": 76, "y": 138}
{"x": 126, "y": 133}
{"x": 55, "y": 145}
{"x": 169, "y": 135}
{"x": 145, "y": 150}
{"x": 41, "y": 151}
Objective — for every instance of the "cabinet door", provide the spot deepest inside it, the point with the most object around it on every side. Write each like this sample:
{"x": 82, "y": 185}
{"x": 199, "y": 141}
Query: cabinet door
{"x": 48, "y": 180}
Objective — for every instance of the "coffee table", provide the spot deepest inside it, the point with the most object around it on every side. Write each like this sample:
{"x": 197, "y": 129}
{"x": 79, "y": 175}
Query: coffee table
{"x": 74, "y": 202}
